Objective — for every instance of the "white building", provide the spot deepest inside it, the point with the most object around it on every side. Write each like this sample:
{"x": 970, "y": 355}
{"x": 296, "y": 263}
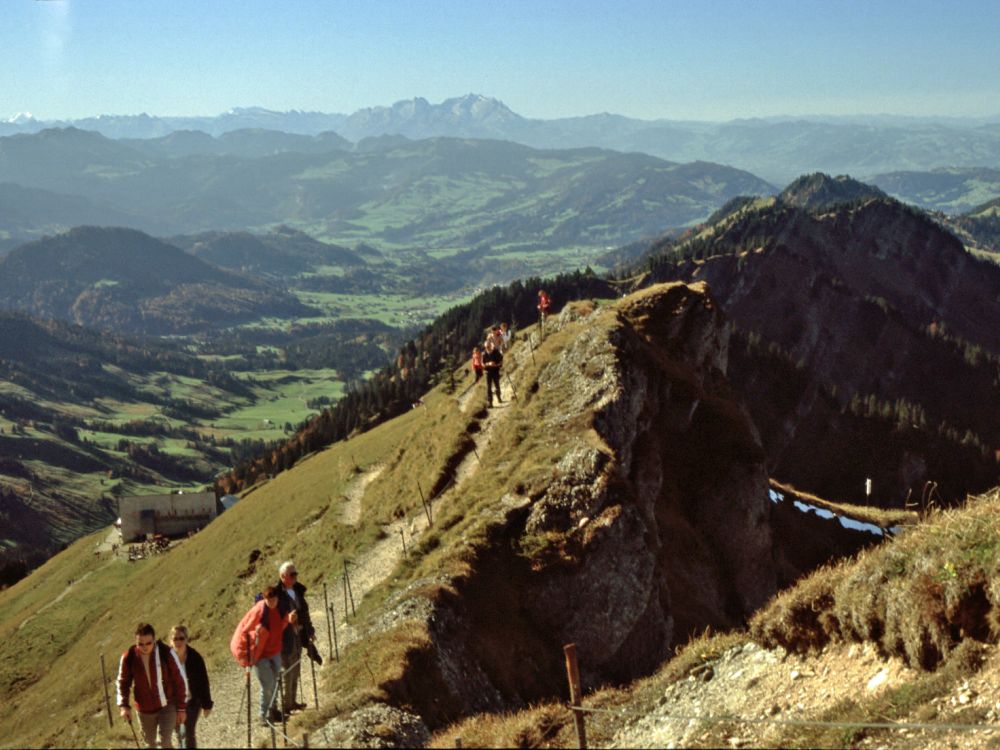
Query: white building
{"x": 170, "y": 515}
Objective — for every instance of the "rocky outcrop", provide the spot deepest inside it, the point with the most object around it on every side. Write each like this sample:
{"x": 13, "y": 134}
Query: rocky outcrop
{"x": 652, "y": 526}
{"x": 668, "y": 519}
{"x": 867, "y": 302}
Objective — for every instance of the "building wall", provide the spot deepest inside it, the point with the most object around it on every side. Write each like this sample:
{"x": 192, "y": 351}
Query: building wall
{"x": 170, "y": 515}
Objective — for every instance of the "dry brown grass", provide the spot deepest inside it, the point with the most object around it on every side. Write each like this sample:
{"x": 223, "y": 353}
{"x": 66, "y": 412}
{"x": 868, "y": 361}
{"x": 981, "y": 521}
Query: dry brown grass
{"x": 543, "y": 725}
{"x": 918, "y": 596}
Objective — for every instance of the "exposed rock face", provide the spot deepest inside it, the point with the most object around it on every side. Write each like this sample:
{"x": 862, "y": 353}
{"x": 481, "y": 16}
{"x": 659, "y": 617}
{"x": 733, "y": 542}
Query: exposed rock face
{"x": 869, "y": 301}
{"x": 674, "y": 533}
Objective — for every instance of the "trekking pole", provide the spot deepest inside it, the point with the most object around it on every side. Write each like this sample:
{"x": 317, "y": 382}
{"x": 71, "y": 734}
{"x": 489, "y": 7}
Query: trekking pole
{"x": 107, "y": 697}
{"x": 132, "y": 727}
{"x": 284, "y": 718}
{"x": 249, "y": 698}
{"x": 329, "y": 640}
{"x": 312, "y": 666}
{"x": 239, "y": 711}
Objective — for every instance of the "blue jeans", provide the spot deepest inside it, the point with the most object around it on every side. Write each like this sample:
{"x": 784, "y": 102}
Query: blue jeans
{"x": 267, "y": 672}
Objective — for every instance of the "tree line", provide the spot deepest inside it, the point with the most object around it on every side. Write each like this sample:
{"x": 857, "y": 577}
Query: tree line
{"x": 439, "y": 348}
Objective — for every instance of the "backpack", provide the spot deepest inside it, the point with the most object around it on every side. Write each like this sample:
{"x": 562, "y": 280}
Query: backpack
{"x": 238, "y": 644}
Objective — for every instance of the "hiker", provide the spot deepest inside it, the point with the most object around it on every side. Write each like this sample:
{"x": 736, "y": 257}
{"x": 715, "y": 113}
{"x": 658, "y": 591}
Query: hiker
{"x": 543, "y": 305}
{"x": 505, "y": 337}
{"x": 268, "y": 667}
{"x": 199, "y": 693}
{"x": 267, "y": 635}
{"x": 495, "y": 336}
{"x": 477, "y": 362}
{"x": 492, "y": 362}
{"x": 152, "y": 671}
{"x": 292, "y": 598}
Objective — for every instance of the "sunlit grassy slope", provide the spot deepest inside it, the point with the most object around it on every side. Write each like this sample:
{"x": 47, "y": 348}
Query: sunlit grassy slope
{"x": 57, "y": 622}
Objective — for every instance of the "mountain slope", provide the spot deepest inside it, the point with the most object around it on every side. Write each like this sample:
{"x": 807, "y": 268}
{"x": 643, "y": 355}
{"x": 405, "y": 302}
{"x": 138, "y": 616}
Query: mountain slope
{"x": 953, "y": 190}
{"x": 125, "y": 280}
{"x": 282, "y": 253}
{"x": 621, "y": 503}
{"x": 867, "y": 333}
{"x": 981, "y": 226}
{"x": 440, "y": 193}
{"x": 83, "y": 420}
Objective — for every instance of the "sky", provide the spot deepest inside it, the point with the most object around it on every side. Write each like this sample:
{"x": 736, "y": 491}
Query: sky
{"x": 650, "y": 59}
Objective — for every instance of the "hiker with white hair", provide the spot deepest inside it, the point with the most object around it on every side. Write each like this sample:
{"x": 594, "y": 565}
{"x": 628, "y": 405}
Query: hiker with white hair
{"x": 292, "y": 598}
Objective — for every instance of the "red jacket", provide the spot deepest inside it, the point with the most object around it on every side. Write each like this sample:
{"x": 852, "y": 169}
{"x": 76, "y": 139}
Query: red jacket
{"x": 273, "y": 625}
{"x": 167, "y": 682}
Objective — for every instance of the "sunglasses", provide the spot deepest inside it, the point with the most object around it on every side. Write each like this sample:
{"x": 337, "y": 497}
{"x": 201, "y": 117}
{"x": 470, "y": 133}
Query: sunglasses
{"x": 145, "y": 643}
{"x": 179, "y": 638}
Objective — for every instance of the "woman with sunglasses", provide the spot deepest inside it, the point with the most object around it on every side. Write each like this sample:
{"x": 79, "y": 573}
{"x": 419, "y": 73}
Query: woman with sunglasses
{"x": 199, "y": 694}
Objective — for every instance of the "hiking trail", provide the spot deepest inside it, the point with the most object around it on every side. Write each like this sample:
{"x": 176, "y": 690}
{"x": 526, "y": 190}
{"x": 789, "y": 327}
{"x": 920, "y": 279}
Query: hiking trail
{"x": 226, "y": 727}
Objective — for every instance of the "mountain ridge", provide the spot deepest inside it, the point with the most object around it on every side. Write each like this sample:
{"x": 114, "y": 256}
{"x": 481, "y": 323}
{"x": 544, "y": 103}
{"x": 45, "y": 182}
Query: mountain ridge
{"x": 777, "y": 148}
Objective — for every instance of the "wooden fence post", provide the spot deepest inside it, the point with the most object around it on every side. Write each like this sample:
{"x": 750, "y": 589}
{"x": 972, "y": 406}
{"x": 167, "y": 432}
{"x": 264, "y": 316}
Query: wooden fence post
{"x": 573, "y": 675}
{"x": 336, "y": 648}
{"x": 427, "y": 509}
{"x": 347, "y": 590}
{"x": 329, "y": 612}
{"x": 107, "y": 698}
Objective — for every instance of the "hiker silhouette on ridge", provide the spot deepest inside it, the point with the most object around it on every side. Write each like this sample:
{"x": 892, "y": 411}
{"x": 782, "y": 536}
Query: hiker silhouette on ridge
{"x": 492, "y": 362}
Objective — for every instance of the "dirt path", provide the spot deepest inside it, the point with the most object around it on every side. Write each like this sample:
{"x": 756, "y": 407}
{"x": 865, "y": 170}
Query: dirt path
{"x": 226, "y": 727}
{"x": 351, "y": 514}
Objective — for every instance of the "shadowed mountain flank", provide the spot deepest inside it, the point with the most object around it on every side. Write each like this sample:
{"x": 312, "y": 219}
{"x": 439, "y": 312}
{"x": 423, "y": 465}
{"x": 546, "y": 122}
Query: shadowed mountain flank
{"x": 125, "y": 280}
{"x": 865, "y": 331}
{"x": 632, "y": 510}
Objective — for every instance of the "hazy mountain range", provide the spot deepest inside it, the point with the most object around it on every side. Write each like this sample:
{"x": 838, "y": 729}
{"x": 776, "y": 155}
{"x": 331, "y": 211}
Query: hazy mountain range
{"x": 778, "y": 149}
{"x": 434, "y": 193}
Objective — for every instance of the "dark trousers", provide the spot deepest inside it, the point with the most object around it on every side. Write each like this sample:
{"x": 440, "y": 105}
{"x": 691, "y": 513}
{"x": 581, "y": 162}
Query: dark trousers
{"x": 292, "y": 665}
{"x": 492, "y": 381}
{"x": 193, "y": 709}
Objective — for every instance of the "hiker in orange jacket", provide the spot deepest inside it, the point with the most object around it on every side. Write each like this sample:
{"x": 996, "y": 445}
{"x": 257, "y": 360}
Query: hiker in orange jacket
{"x": 270, "y": 630}
{"x": 477, "y": 362}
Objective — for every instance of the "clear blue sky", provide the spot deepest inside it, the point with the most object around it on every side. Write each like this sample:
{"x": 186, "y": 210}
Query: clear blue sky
{"x": 671, "y": 59}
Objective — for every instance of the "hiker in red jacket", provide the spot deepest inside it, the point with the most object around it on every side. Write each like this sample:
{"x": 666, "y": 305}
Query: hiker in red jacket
{"x": 543, "y": 304}
{"x": 153, "y": 672}
{"x": 270, "y": 630}
{"x": 477, "y": 362}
